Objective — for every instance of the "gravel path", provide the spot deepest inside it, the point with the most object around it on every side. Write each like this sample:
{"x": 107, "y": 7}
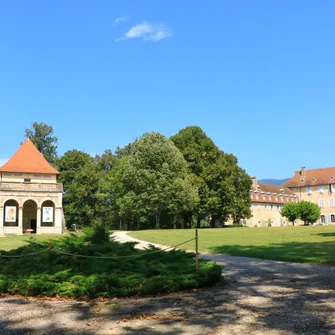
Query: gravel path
{"x": 255, "y": 297}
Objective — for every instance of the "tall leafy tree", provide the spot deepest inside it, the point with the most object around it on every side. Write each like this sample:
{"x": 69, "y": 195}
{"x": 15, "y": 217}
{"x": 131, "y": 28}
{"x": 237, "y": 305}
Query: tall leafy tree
{"x": 42, "y": 136}
{"x": 154, "y": 179}
{"x": 81, "y": 182}
{"x": 223, "y": 186}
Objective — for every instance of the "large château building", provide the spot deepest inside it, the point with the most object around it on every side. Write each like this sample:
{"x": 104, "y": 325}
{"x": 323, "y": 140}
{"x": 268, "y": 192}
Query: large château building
{"x": 30, "y": 196}
{"x": 317, "y": 186}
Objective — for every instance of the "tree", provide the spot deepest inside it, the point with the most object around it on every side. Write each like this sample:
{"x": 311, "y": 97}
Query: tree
{"x": 126, "y": 151}
{"x": 305, "y": 210}
{"x": 291, "y": 211}
{"x": 153, "y": 179}
{"x": 309, "y": 212}
{"x": 224, "y": 188}
{"x": 41, "y": 135}
{"x": 81, "y": 185}
{"x": 106, "y": 161}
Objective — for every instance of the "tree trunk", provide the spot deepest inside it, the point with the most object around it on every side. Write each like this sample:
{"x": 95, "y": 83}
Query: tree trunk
{"x": 175, "y": 222}
{"x": 157, "y": 219}
{"x": 120, "y": 224}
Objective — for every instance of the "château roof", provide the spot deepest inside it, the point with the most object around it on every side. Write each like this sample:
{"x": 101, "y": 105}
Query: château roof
{"x": 312, "y": 177}
{"x": 27, "y": 159}
{"x": 266, "y": 193}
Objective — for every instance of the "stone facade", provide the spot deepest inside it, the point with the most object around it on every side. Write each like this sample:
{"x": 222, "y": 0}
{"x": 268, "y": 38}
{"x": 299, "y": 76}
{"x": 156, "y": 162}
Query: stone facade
{"x": 266, "y": 203}
{"x": 317, "y": 186}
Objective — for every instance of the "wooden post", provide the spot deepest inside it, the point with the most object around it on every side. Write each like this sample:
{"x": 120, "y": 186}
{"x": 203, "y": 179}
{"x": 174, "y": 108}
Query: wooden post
{"x": 196, "y": 251}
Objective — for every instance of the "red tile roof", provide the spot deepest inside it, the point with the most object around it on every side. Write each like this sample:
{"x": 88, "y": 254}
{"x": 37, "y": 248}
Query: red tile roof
{"x": 272, "y": 194}
{"x": 312, "y": 177}
{"x": 28, "y": 159}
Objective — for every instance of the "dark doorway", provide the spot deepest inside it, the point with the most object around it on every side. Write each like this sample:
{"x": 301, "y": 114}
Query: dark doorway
{"x": 33, "y": 226}
{"x": 29, "y": 217}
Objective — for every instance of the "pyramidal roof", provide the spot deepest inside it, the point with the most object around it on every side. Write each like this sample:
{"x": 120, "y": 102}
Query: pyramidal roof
{"x": 27, "y": 159}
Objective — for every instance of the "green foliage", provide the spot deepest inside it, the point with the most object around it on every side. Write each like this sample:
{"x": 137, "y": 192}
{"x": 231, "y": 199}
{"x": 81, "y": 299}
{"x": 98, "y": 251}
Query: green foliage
{"x": 126, "y": 151}
{"x": 152, "y": 180}
{"x": 309, "y": 212}
{"x": 306, "y": 211}
{"x": 41, "y": 135}
{"x": 155, "y": 181}
{"x": 81, "y": 184}
{"x": 291, "y": 211}
{"x": 223, "y": 186}
{"x": 139, "y": 272}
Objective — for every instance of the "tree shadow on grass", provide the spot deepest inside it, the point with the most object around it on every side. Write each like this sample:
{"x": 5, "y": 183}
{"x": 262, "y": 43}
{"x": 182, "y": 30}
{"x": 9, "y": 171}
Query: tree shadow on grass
{"x": 256, "y": 296}
{"x": 325, "y": 234}
{"x": 319, "y": 253}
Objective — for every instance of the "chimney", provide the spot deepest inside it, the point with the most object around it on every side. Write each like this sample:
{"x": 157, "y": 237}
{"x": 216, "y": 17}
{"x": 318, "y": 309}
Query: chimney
{"x": 303, "y": 172}
{"x": 254, "y": 183}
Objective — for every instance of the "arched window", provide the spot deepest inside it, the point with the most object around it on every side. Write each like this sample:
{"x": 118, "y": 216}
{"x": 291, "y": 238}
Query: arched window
{"x": 48, "y": 214}
{"x": 11, "y": 213}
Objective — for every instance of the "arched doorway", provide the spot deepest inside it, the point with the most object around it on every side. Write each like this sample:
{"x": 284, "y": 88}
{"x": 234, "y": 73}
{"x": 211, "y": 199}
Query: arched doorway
{"x": 29, "y": 223}
{"x": 48, "y": 214}
{"x": 11, "y": 213}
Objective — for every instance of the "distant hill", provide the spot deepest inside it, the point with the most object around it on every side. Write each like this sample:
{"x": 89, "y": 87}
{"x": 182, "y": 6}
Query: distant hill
{"x": 276, "y": 182}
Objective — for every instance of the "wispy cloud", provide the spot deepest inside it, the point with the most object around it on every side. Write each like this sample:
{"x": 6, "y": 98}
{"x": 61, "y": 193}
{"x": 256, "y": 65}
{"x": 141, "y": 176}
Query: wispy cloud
{"x": 148, "y": 32}
{"x": 120, "y": 19}
{"x": 3, "y": 161}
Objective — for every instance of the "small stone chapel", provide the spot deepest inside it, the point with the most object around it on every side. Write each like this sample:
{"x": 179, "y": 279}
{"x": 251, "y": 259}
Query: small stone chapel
{"x": 30, "y": 196}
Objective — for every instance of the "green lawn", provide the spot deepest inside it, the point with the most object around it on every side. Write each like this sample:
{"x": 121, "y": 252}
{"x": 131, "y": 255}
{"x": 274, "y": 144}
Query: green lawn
{"x": 293, "y": 244}
{"x": 13, "y": 242}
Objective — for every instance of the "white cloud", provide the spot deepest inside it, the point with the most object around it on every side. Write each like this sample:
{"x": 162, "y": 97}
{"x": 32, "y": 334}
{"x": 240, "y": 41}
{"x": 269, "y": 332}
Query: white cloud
{"x": 120, "y": 19}
{"x": 148, "y": 32}
{"x": 3, "y": 161}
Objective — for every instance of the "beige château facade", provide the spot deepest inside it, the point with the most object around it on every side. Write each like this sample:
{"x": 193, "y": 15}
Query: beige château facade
{"x": 266, "y": 203}
{"x": 317, "y": 186}
{"x": 30, "y": 196}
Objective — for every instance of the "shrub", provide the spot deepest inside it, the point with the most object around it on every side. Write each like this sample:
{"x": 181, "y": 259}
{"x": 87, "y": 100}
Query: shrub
{"x": 135, "y": 272}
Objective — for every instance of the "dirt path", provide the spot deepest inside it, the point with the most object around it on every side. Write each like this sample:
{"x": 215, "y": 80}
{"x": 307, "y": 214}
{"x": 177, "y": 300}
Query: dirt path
{"x": 255, "y": 297}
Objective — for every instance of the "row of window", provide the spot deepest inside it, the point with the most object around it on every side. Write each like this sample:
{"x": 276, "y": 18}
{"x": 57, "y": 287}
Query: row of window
{"x": 321, "y": 188}
{"x": 323, "y": 218}
{"x": 267, "y": 207}
{"x": 322, "y": 203}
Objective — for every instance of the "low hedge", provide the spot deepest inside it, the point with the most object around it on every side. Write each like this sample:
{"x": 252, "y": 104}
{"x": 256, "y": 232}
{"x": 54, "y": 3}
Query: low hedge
{"x": 139, "y": 272}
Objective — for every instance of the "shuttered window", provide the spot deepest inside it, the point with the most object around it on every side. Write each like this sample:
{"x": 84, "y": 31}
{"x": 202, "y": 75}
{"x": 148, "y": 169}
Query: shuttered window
{"x": 321, "y": 203}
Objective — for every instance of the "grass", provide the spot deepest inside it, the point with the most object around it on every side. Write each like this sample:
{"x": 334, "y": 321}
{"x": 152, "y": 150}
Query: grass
{"x": 12, "y": 242}
{"x": 293, "y": 244}
{"x": 126, "y": 272}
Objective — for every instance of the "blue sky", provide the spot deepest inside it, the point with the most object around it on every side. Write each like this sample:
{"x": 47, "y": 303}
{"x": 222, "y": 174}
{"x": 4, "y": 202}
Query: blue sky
{"x": 257, "y": 76}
